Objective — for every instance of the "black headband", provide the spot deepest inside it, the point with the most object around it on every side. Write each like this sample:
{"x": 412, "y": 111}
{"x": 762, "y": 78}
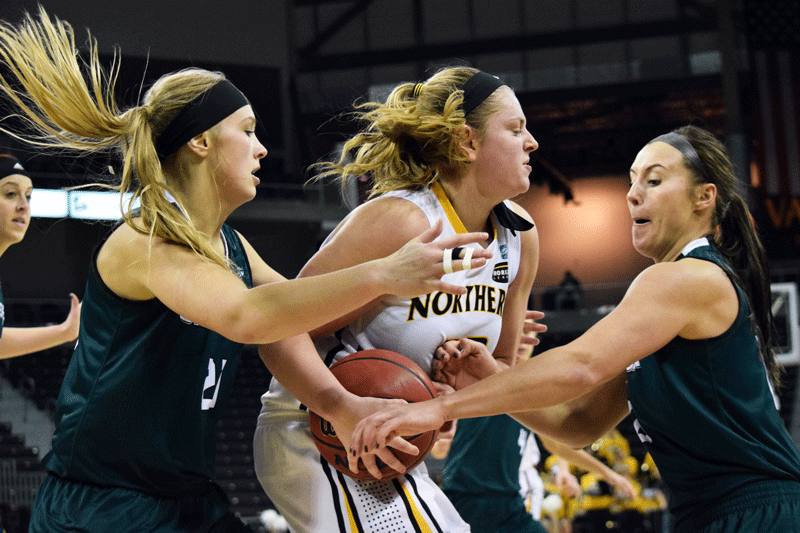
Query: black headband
{"x": 199, "y": 115}
{"x": 9, "y": 165}
{"x": 682, "y": 144}
{"x": 477, "y": 89}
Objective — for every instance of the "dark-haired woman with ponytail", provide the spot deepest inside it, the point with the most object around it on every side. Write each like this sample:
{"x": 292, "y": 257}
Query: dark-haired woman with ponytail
{"x": 687, "y": 350}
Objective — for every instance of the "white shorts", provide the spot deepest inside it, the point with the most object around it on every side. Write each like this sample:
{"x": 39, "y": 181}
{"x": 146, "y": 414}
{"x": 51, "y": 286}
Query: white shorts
{"x": 313, "y": 497}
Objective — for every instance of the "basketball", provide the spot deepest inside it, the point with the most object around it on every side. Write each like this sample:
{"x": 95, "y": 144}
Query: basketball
{"x": 382, "y": 374}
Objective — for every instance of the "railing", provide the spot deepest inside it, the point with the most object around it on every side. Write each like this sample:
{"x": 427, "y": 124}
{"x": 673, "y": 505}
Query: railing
{"x": 18, "y": 489}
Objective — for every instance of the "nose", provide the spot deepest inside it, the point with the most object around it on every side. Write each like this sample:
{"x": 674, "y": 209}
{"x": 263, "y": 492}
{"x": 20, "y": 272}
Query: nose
{"x": 24, "y": 203}
{"x": 531, "y": 145}
{"x": 633, "y": 195}
{"x": 261, "y": 150}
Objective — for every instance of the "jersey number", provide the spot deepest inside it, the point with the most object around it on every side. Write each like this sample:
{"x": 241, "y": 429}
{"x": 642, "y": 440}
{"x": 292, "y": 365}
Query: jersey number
{"x": 212, "y": 383}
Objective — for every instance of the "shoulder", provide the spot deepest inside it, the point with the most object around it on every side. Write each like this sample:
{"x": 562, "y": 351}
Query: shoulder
{"x": 689, "y": 284}
{"x": 521, "y": 211}
{"x": 388, "y": 219}
{"x": 530, "y": 238}
{"x": 373, "y": 230}
{"x": 123, "y": 257}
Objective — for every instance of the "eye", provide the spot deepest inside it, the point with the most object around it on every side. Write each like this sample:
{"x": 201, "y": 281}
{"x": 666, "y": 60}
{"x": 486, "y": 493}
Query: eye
{"x": 653, "y": 182}
{"x": 250, "y": 132}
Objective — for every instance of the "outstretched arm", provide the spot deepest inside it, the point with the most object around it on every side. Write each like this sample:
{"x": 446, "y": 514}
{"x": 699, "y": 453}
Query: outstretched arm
{"x": 21, "y": 341}
{"x": 583, "y": 459}
{"x": 666, "y": 300}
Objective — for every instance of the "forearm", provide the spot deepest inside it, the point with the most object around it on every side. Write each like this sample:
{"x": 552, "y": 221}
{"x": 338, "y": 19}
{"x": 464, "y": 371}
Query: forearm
{"x": 261, "y": 314}
{"x": 551, "y": 378}
{"x": 580, "y": 422}
{"x": 294, "y": 362}
{"x": 580, "y": 458}
{"x": 21, "y": 341}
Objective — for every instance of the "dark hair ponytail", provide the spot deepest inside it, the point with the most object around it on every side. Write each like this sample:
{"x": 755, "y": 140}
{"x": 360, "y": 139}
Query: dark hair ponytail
{"x": 737, "y": 239}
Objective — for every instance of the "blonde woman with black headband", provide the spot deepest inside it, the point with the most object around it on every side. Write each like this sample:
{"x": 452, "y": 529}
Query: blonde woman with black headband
{"x": 173, "y": 293}
{"x": 15, "y": 216}
{"x": 457, "y": 148}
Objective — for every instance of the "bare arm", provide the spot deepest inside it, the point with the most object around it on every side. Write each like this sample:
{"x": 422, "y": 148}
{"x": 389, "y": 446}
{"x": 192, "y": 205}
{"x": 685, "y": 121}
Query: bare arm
{"x": 666, "y": 300}
{"x": 215, "y": 298}
{"x": 583, "y": 459}
{"x": 21, "y": 341}
{"x": 372, "y": 231}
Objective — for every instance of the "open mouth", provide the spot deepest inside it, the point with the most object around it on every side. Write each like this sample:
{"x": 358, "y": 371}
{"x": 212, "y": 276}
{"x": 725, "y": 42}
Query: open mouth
{"x": 639, "y": 221}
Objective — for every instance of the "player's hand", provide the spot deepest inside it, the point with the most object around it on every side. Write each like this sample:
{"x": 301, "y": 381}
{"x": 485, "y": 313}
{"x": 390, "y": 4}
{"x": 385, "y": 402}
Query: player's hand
{"x": 417, "y": 267}
{"x": 568, "y": 483}
{"x": 72, "y": 323}
{"x": 462, "y": 362}
{"x": 622, "y": 485}
{"x": 375, "y": 433}
{"x": 531, "y": 326}
{"x": 357, "y": 408}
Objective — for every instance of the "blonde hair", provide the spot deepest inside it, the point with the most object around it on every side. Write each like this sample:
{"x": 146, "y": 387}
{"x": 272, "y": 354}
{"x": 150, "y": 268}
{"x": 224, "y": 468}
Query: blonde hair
{"x": 67, "y": 109}
{"x": 414, "y": 137}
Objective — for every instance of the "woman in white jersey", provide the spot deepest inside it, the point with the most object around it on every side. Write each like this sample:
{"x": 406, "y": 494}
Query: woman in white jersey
{"x": 455, "y": 147}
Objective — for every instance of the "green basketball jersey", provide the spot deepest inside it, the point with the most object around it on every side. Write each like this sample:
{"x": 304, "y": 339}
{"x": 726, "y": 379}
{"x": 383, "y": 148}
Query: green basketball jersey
{"x": 485, "y": 456}
{"x": 705, "y": 411}
{"x": 144, "y": 389}
{"x": 2, "y": 312}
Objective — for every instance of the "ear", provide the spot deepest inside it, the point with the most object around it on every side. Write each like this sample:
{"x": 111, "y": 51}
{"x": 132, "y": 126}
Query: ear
{"x": 706, "y": 194}
{"x": 199, "y": 144}
{"x": 469, "y": 143}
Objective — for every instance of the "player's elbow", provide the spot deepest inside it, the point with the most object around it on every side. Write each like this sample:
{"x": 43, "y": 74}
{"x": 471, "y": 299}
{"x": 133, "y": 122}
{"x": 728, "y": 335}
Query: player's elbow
{"x": 583, "y": 374}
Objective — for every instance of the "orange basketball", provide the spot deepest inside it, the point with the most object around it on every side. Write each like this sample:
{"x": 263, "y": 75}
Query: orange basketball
{"x": 382, "y": 374}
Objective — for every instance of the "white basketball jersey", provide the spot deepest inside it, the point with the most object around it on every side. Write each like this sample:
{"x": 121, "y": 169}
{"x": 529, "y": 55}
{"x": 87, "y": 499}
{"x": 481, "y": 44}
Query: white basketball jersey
{"x": 416, "y": 327}
{"x": 305, "y": 489}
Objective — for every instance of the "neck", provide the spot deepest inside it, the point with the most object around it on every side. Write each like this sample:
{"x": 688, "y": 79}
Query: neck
{"x": 201, "y": 204}
{"x": 472, "y": 209}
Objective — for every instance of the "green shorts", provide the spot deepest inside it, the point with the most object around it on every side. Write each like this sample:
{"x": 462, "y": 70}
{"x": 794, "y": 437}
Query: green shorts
{"x": 69, "y": 506}
{"x": 771, "y": 509}
{"x": 495, "y": 514}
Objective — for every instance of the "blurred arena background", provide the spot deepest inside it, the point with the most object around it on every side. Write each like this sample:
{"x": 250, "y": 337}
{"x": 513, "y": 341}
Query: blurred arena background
{"x": 597, "y": 80}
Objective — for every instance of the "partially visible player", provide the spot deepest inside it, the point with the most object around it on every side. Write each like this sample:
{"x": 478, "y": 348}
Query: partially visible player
{"x": 455, "y": 147}
{"x": 15, "y": 216}
{"x": 688, "y": 346}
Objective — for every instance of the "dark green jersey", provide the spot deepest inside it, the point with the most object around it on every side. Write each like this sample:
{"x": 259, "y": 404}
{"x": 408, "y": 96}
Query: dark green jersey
{"x": 706, "y": 413}
{"x": 484, "y": 456}
{"x": 144, "y": 389}
{"x": 2, "y": 312}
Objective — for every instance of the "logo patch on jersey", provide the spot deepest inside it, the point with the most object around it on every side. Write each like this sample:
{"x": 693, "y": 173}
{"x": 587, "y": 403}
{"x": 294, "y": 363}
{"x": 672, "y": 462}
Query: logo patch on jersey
{"x": 503, "y": 251}
{"x": 633, "y": 367}
{"x": 500, "y": 272}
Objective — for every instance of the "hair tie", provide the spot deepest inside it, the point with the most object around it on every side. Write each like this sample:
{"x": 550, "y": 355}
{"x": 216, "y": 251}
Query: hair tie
{"x": 417, "y": 90}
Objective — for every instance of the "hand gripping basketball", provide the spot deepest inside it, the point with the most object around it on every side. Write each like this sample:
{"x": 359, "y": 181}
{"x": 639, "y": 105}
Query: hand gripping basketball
{"x": 380, "y": 374}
